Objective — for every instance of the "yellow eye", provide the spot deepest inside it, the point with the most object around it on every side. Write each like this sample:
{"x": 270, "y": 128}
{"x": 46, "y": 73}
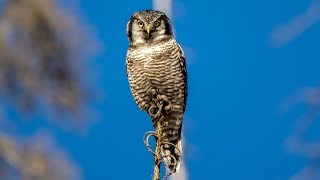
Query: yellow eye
{"x": 140, "y": 24}
{"x": 156, "y": 23}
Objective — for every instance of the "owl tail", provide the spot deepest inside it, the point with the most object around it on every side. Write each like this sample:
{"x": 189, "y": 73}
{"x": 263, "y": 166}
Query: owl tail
{"x": 172, "y": 154}
{"x": 171, "y": 150}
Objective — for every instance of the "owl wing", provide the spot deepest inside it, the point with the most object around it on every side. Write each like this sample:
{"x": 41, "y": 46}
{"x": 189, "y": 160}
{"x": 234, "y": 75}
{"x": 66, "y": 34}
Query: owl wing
{"x": 183, "y": 68}
{"x": 137, "y": 82}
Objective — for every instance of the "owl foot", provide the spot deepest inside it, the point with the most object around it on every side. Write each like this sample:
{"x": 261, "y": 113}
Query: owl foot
{"x": 163, "y": 99}
{"x": 154, "y": 111}
{"x": 161, "y": 105}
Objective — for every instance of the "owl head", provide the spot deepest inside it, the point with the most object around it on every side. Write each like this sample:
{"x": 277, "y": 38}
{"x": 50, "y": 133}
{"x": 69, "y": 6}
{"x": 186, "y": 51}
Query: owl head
{"x": 148, "y": 26}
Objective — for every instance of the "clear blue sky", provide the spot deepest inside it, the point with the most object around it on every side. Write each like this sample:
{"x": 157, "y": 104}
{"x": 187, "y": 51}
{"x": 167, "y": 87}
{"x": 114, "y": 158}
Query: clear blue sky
{"x": 237, "y": 81}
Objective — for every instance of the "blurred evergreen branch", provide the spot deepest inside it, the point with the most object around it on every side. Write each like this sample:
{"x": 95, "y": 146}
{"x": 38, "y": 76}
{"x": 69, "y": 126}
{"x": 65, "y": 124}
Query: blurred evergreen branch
{"x": 297, "y": 142}
{"x": 28, "y": 161}
{"x": 41, "y": 48}
{"x": 39, "y": 51}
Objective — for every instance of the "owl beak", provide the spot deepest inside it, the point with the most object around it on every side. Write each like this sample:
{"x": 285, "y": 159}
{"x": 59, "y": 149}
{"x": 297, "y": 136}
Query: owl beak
{"x": 148, "y": 30}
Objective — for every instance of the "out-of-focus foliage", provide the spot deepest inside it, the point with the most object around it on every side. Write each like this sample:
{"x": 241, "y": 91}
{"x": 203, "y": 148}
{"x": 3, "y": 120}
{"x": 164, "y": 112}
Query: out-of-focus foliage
{"x": 297, "y": 142}
{"x": 41, "y": 48}
{"x": 30, "y": 161}
{"x": 39, "y": 51}
{"x": 284, "y": 34}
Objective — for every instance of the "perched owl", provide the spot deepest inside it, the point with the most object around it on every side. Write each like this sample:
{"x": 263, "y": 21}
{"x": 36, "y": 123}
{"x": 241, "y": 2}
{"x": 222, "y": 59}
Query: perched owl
{"x": 156, "y": 71}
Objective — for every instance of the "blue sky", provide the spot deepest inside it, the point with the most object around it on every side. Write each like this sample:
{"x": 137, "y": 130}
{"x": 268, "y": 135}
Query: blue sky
{"x": 238, "y": 78}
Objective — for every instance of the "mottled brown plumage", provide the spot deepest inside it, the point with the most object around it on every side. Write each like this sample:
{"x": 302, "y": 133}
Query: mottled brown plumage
{"x": 156, "y": 71}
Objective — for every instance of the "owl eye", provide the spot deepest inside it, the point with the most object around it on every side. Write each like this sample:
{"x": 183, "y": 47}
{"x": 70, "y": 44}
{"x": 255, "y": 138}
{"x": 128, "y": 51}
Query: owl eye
{"x": 156, "y": 23}
{"x": 140, "y": 24}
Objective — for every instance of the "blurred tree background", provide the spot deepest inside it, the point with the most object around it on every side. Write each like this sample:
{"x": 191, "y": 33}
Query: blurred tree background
{"x": 43, "y": 52}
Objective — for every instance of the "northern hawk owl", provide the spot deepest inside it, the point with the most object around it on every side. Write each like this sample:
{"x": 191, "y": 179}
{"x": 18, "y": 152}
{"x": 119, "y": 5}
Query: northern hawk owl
{"x": 156, "y": 70}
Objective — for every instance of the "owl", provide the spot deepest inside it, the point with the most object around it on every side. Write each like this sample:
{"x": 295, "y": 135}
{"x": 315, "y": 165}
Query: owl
{"x": 156, "y": 71}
